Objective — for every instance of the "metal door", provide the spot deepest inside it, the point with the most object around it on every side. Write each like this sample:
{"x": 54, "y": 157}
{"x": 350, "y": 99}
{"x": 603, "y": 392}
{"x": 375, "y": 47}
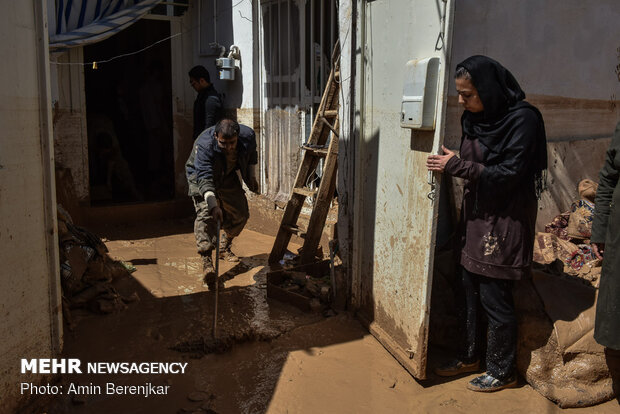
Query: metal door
{"x": 296, "y": 39}
{"x": 395, "y": 211}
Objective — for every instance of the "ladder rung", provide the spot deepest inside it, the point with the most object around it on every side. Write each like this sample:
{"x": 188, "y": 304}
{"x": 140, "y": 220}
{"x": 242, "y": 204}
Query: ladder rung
{"x": 294, "y": 229}
{"x": 319, "y": 152}
{"x": 330, "y": 113}
{"x": 330, "y": 126}
{"x": 305, "y": 191}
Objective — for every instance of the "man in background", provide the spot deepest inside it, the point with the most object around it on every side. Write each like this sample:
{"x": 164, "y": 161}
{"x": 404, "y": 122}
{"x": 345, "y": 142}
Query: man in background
{"x": 208, "y": 103}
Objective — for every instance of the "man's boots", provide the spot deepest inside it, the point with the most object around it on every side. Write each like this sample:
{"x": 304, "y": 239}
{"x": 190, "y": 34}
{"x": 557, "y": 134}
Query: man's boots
{"x": 225, "y": 249}
{"x": 208, "y": 271}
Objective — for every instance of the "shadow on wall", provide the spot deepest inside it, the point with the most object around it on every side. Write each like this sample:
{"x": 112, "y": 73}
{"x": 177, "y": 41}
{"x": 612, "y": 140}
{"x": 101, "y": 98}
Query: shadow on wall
{"x": 370, "y": 161}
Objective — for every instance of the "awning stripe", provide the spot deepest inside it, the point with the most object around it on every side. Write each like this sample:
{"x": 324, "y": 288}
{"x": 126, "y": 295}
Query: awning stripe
{"x": 82, "y": 12}
{"x": 59, "y": 17}
{"x": 80, "y": 21}
{"x": 97, "y": 9}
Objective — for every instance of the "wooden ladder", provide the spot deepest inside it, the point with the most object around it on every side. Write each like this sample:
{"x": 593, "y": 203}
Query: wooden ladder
{"x": 317, "y": 147}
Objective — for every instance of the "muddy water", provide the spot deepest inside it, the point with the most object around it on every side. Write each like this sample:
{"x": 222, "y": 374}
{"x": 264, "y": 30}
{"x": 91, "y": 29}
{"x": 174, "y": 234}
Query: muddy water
{"x": 281, "y": 359}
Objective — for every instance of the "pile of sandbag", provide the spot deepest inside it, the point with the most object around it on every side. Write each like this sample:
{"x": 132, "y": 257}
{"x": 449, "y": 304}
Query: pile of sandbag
{"x": 564, "y": 247}
{"x": 87, "y": 271}
{"x": 557, "y": 353}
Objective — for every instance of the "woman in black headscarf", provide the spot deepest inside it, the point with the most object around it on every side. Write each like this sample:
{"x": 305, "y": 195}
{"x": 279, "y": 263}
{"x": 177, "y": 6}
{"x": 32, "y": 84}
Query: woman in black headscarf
{"x": 503, "y": 159}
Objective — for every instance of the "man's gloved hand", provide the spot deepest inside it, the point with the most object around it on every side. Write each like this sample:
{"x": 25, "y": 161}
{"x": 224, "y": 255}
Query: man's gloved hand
{"x": 216, "y": 213}
{"x": 253, "y": 185}
{"x": 253, "y": 182}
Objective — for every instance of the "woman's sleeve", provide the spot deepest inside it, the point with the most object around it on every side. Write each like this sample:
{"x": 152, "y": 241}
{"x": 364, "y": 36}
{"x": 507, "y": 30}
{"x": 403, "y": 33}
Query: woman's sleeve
{"x": 517, "y": 155}
{"x": 461, "y": 168}
{"x": 608, "y": 180}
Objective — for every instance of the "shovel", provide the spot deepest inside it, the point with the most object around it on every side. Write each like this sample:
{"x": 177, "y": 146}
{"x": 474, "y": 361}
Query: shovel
{"x": 217, "y": 275}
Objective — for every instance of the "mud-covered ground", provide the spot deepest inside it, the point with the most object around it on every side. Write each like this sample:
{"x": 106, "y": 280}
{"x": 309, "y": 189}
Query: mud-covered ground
{"x": 273, "y": 358}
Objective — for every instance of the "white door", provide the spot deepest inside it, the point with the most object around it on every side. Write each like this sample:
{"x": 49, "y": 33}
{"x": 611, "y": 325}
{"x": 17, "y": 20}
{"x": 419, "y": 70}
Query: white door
{"x": 395, "y": 212}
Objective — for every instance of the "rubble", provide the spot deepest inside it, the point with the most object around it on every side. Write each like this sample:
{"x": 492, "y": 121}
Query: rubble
{"x": 308, "y": 287}
{"x": 87, "y": 271}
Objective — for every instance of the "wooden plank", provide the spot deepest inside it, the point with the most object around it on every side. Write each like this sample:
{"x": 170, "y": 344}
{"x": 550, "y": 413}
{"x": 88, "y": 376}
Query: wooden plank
{"x": 291, "y": 213}
{"x": 329, "y": 101}
{"x": 317, "y": 152}
{"x": 294, "y": 230}
{"x": 322, "y": 203}
{"x": 308, "y": 192}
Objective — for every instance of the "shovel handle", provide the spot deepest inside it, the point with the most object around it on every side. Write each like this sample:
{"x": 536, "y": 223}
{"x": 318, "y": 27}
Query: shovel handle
{"x": 217, "y": 275}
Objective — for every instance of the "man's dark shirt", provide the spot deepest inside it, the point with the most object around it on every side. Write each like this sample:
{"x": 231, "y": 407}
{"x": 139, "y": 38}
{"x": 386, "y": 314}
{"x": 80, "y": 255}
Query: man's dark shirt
{"x": 207, "y": 108}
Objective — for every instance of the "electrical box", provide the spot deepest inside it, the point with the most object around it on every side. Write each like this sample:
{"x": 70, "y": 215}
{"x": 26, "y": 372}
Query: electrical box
{"x": 419, "y": 102}
{"x": 226, "y": 68}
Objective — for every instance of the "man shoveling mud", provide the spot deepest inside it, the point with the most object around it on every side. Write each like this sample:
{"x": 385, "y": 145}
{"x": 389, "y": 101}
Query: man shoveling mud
{"x": 222, "y": 156}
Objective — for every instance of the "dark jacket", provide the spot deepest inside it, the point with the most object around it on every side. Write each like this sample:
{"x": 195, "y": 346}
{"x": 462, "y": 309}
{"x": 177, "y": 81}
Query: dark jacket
{"x": 207, "y": 110}
{"x": 498, "y": 214}
{"x": 606, "y": 229}
{"x": 206, "y": 166}
{"x": 503, "y": 160}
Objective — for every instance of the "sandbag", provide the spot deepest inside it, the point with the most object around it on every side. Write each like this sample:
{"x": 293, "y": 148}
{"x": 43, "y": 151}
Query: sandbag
{"x": 557, "y": 354}
{"x": 580, "y": 220}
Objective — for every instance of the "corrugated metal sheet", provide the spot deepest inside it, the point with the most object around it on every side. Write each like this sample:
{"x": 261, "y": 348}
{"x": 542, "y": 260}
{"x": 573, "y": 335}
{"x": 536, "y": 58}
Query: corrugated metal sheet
{"x": 282, "y": 143}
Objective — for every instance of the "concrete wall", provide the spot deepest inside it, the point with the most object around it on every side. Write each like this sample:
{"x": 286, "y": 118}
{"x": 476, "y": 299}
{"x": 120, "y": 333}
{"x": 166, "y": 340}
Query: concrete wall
{"x": 565, "y": 55}
{"x": 29, "y": 284}
{"x": 69, "y": 106}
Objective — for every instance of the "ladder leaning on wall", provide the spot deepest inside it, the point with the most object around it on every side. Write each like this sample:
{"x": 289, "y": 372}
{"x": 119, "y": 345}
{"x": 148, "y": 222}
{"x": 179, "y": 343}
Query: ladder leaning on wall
{"x": 325, "y": 124}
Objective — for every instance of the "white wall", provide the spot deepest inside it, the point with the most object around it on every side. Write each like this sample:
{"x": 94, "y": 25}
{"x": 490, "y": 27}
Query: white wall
{"x": 29, "y": 285}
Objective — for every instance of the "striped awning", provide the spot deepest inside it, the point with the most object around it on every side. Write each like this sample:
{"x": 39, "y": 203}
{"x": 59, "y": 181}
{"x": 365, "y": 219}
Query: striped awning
{"x": 80, "y": 22}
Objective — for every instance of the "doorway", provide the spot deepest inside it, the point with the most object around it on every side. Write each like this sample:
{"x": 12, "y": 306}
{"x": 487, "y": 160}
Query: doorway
{"x": 129, "y": 116}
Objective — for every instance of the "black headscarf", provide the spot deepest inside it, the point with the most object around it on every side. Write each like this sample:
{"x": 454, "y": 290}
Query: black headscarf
{"x": 503, "y": 100}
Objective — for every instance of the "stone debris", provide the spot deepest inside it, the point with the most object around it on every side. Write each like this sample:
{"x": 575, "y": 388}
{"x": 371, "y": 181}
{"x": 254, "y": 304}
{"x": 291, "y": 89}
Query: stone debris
{"x": 87, "y": 271}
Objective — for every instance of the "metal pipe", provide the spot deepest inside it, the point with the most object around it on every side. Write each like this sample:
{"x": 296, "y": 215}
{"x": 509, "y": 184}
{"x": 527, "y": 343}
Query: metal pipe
{"x": 280, "y": 101}
{"x": 290, "y": 51}
{"x": 312, "y": 61}
{"x": 217, "y": 282}
{"x": 333, "y": 27}
{"x": 302, "y": 46}
{"x": 215, "y": 21}
{"x": 357, "y": 237}
{"x": 321, "y": 46}
{"x": 257, "y": 12}
{"x": 271, "y": 94}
